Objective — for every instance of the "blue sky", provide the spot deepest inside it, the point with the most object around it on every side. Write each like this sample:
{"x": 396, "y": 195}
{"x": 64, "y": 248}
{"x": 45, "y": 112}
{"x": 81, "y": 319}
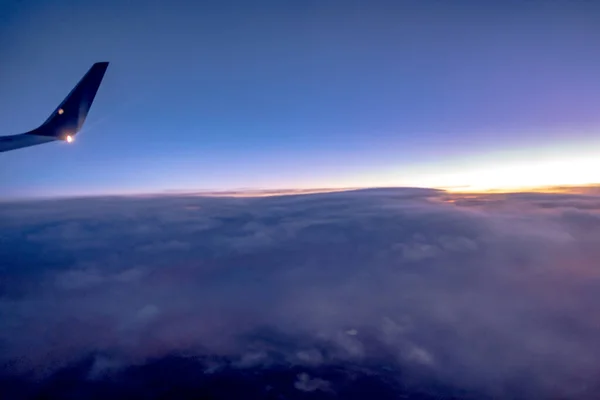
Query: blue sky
{"x": 298, "y": 94}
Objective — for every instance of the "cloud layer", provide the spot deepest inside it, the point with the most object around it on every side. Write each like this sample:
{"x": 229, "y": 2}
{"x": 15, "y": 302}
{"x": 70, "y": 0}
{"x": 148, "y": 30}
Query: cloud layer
{"x": 485, "y": 295}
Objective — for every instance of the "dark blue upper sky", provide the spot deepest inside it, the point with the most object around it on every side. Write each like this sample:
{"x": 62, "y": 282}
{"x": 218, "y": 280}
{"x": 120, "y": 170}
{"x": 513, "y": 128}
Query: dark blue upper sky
{"x": 287, "y": 94}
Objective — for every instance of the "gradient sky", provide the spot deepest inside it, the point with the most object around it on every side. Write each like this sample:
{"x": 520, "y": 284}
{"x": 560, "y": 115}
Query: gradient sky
{"x": 294, "y": 94}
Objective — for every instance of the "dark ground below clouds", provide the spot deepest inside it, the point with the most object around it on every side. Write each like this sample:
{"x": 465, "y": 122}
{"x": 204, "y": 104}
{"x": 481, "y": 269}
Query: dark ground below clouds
{"x": 219, "y": 378}
{"x": 175, "y": 377}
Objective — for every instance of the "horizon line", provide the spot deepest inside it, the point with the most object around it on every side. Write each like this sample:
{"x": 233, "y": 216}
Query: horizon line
{"x": 257, "y": 192}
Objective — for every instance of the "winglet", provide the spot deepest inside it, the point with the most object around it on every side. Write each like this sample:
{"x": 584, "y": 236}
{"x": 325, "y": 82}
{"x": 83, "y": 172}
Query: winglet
{"x": 68, "y": 118}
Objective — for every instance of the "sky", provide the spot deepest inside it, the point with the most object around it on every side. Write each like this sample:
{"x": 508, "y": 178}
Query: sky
{"x": 207, "y": 95}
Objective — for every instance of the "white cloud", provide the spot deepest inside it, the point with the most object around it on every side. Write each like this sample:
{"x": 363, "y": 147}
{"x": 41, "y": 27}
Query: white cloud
{"x": 419, "y": 355}
{"x": 307, "y": 384}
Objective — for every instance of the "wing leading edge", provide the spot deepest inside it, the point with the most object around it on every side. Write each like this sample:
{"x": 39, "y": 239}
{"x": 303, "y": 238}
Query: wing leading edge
{"x": 68, "y": 118}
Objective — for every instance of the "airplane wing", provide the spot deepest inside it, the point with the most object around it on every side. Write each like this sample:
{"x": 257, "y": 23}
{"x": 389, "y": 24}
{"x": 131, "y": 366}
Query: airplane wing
{"x": 68, "y": 118}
